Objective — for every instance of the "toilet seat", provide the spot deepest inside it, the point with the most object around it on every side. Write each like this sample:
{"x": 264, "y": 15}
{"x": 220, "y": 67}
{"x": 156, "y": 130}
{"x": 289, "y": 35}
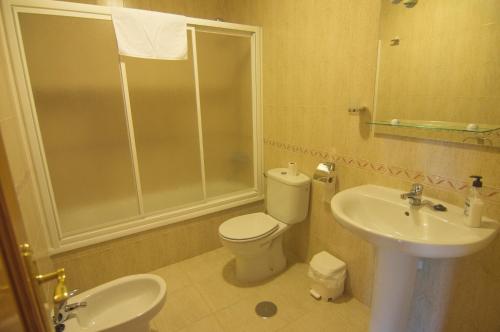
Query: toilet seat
{"x": 248, "y": 227}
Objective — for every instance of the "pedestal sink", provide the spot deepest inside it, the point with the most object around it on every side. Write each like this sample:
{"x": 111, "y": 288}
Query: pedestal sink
{"x": 401, "y": 235}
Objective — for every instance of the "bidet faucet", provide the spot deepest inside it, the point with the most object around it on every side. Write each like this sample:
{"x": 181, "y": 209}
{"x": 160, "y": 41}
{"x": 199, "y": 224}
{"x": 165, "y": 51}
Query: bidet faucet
{"x": 62, "y": 310}
{"x": 415, "y": 195}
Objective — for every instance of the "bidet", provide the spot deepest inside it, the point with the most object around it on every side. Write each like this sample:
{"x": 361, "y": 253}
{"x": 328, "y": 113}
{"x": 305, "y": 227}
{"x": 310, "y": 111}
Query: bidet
{"x": 123, "y": 305}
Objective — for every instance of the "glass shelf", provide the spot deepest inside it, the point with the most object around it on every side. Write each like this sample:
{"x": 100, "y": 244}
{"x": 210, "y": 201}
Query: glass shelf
{"x": 437, "y": 125}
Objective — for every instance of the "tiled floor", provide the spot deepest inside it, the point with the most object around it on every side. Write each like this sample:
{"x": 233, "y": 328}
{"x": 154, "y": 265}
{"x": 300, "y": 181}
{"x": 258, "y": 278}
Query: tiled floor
{"x": 202, "y": 295}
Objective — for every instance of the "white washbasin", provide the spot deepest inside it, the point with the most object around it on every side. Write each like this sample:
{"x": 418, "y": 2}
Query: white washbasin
{"x": 402, "y": 234}
{"x": 379, "y": 215}
{"x": 125, "y": 304}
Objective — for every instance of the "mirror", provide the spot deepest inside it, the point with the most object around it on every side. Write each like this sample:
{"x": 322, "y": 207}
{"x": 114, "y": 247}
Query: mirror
{"x": 438, "y": 74}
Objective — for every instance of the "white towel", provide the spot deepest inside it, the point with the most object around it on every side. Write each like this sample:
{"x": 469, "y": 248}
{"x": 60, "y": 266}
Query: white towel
{"x": 151, "y": 35}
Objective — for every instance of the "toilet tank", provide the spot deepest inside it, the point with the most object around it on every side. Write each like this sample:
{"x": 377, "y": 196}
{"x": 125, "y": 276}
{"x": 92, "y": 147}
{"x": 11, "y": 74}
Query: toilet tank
{"x": 287, "y": 196}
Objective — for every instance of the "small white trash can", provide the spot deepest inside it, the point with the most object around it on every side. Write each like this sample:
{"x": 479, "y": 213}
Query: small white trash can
{"x": 328, "y": 275}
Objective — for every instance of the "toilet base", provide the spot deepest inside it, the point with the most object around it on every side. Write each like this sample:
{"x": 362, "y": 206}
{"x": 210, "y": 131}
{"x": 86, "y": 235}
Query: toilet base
{"x": 262, "y": 265}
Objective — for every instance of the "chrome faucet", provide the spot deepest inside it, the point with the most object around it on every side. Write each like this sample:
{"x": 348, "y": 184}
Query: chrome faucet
{"x": 62, "y": 310}
{"x": 415, "y": 196}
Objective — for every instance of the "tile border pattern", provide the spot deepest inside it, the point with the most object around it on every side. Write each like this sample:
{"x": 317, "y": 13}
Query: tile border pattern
{"x": 490, "y": 193}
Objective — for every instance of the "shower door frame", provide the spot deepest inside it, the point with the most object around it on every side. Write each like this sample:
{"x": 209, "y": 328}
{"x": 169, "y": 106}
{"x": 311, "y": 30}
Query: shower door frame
{"x": 32, "y": 137}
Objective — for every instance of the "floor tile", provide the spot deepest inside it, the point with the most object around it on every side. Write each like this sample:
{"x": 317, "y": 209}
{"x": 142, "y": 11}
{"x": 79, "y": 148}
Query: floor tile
{"x": 331, "y": 317}
{"x": 204, "y": 295}
{"x": 182, "y": 308}
{"x": 220, "y": 293}
{"x": 242, "y": 316}
{"x": 205, "y": 265}
{"x": 174, "y": 277}
{"x": 207, "y": 324}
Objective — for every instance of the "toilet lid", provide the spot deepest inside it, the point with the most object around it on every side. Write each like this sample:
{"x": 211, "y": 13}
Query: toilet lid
{"x": 248, "y": 226}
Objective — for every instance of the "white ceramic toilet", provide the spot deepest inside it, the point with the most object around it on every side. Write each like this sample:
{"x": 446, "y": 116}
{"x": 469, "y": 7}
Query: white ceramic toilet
{"x": 256, "y": 239}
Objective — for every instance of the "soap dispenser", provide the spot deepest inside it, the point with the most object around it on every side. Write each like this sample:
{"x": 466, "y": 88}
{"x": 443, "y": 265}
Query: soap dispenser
{"x": 473, "y": 203}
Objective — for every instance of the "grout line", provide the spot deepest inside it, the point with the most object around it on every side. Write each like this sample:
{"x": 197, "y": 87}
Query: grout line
{"x": 219, "y": 322}
{"x": 185, "y": 325}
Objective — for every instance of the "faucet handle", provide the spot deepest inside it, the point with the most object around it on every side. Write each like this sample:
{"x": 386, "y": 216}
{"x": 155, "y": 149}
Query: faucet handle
{"x": 417, "y": 188}
{"x": 73, "y": 306}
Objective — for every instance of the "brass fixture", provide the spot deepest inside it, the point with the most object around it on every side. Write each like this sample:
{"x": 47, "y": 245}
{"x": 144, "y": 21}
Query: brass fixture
{"x": 61, "y": 291}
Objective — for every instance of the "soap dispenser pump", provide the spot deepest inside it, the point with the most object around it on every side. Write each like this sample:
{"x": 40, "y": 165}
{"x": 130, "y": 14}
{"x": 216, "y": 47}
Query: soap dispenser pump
{"x": 474, "y": 204}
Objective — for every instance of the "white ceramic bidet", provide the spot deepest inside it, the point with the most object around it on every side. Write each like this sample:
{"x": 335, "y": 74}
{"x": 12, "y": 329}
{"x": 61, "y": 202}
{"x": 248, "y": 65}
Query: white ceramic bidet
{"x": 126, "y": 305}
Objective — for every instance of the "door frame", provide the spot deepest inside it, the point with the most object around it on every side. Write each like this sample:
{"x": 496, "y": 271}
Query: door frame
{"x": 29, "y": 306}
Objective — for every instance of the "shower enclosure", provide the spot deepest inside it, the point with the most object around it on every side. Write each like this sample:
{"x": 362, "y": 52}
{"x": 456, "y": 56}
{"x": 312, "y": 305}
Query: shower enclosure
{"x": 122, "y": 144}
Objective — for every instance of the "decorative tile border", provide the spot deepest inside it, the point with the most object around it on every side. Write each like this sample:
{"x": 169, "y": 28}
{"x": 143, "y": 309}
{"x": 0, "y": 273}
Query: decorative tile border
{"x": 490, "y": 193}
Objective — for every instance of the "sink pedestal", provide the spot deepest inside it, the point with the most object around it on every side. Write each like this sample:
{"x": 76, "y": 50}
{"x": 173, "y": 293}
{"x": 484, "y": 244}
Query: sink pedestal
{"x": 393, "y": 290}
{"x": 402, "y": 235}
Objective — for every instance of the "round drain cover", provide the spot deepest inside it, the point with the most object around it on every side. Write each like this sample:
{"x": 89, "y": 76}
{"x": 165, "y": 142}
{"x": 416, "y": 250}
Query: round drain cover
{"x": 266, "y": 309}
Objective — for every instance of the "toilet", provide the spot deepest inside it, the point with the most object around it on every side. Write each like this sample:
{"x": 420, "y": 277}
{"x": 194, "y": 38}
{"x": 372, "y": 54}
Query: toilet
{"x": 256, "y": 239}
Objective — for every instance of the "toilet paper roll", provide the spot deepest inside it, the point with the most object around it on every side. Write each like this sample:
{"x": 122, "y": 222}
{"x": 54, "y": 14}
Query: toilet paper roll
{"x": 292, "y": 168}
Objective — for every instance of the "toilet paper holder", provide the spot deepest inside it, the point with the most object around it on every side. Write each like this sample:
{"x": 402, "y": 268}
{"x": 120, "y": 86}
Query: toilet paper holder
{"x": 325, "y": 172}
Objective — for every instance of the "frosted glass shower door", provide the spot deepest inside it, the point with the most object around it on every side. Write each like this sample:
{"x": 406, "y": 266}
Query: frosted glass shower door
{"x": 225, "y": 75}
{"x": 163, "y": 105}
{"x": 120, "y": 145}
{"x": 75, "y": 79}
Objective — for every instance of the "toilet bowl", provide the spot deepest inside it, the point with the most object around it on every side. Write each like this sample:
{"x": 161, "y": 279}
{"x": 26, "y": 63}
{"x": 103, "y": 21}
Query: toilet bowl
{"x": 126, "y": 304}
{"x": 256, "y": 239}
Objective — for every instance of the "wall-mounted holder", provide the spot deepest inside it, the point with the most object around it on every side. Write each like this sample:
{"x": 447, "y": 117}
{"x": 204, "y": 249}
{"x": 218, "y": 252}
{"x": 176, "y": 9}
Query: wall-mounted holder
{"x": 437, "y": 125}
{"x": 325, "y": 175}
{"x": 395, "y": 41}
{"x": 487, "y": 135}
{"x": 357, "y": 110}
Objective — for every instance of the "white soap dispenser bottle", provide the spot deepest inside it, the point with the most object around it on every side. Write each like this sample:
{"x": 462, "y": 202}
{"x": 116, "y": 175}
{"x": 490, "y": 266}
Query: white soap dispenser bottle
{"x": 474, "y": 204}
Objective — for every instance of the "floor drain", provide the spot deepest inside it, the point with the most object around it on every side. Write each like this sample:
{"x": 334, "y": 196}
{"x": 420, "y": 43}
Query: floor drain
{"x": 266, "y": 309}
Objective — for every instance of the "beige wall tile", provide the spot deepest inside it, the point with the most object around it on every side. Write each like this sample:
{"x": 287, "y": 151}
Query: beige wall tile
{"x": 319, "y": 59}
